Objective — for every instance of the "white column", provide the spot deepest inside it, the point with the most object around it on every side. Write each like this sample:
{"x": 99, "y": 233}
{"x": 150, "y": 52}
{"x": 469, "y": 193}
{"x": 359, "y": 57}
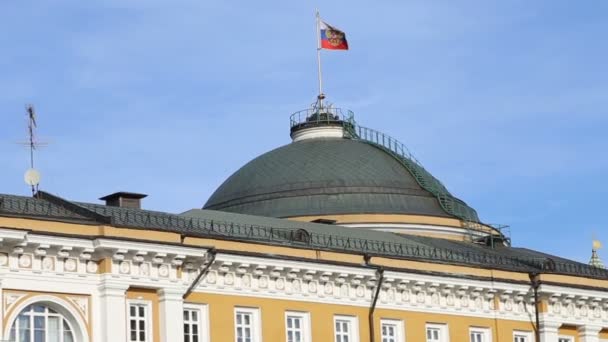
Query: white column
{"x": 549, "y": 331}
{"x": 112, "y": 323}
{"x": 171, "y": 305}
{"x": 2, "y": 311}
{"x": 589, "y": 333}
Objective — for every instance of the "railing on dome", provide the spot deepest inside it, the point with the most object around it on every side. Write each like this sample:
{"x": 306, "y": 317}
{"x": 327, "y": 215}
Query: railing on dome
{"x": 316, "y": 116}
{"x": 398, "y": 150}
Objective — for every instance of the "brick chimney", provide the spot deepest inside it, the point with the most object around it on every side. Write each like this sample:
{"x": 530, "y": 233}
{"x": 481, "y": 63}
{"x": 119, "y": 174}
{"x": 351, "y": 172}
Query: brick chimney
{"x": 124, "y": 199}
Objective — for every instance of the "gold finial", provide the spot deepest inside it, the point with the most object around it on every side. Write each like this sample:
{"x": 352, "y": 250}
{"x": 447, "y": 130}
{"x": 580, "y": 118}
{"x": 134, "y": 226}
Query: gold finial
{"x": 595, "y": 258}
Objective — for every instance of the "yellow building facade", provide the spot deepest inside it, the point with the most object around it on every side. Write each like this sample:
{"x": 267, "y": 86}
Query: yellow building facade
{"x": 339, "y": 236}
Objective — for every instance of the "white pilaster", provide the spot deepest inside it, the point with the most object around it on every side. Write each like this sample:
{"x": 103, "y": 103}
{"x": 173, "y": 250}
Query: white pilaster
{"x": 549, "y": 331}
{"x": 1, "y": 310}
{"x": 112, "y": 323}
{"x": 589, "y": 333}
{"x": 171, "y": 306}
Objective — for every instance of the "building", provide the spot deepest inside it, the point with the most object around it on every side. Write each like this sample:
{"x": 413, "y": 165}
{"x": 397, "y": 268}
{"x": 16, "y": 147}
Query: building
{"x": 340, "y": 236}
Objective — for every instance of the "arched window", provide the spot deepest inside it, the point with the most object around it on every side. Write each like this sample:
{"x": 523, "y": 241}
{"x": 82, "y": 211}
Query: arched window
{"x": 40, "y": 323}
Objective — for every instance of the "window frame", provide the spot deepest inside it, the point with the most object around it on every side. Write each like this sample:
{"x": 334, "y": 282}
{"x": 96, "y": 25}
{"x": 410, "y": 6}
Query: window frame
{"x": 305, "y": 327}
{"x": 32, "y": 314}
{"x": 353, "y": 336}
{"x": 444, "y": 335}
{"x": 526, "y": 334}
{"x": 203, "y": 320}
{"x": 486, "y": 333}
{"x": 147, "y": 319}
{"x": 256, "y": 326}
{"x": 399, "y": 325}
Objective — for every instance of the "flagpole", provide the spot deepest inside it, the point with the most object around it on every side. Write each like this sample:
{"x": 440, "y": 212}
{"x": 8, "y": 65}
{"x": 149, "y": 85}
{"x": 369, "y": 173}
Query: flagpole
{"x": 321, "y": 95}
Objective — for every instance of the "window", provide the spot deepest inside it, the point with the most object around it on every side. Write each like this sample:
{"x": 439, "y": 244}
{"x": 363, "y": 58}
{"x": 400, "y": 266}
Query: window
{"x": 196, "y": 324}
{"x": 391, "y": 330}
{"x": 346, "y": 329}
{"x": 247, "y": 325}
{"x": 564, "y": 339}
{"x": 139, "y": 326}
{"x": 476, "y": 336}
{"x": 433, "y": 334}
{"x": 480, "y": 335}
{"x": 522, "y": 336}
{"x": 297, "y": 327}
{"x": 192, "y": 325}
{"x": 436, "y": 333}
{"x": 40, "y": 323}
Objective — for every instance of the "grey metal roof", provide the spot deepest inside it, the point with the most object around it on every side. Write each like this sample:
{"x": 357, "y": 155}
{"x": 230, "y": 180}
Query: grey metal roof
{"x": 275, "y": 231}
{"x": 324, "y": 177}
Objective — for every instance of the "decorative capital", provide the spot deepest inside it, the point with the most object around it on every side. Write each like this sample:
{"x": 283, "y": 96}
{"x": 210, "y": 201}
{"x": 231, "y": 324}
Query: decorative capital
{"x": 589, "y": 330}
{"x": 171, "y": 294}
{"x": 549, "y": 326}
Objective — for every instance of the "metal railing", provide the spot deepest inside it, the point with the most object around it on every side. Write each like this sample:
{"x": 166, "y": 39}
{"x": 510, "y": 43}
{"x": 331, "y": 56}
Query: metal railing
{"x": 312, "y": 116}
{"x": 291, "y": 237}
{"x": 398, "y": 150}
{"x": 201, "y": 227}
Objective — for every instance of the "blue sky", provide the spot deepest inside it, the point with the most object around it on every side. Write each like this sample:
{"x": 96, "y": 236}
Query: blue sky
{"x": 505, "y": 102}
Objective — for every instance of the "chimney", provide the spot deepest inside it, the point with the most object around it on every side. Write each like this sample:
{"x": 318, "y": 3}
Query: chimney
{"x": 124, "y": 199}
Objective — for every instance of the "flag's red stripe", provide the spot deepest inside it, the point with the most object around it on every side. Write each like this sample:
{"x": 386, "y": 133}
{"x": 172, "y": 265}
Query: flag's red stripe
{"x": 325, "y": 44}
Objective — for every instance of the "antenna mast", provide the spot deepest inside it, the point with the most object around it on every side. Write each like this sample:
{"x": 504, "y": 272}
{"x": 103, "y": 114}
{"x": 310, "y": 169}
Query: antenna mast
{"x": 31, "y": 116}
{"x": 32, "y": 176}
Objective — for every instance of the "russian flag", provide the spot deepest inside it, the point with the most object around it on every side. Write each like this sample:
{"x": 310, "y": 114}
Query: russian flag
{"x": 332, "y": 38}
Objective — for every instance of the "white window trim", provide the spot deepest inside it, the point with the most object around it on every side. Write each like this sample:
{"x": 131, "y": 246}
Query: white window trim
{"x": 68, "y": 310}
{"x": 443, "y": 329}
{"x": 46, "y": 314}
{"x": 306, "y": 328}
{"x": 486, "y": 332}
{"x": 148, "y": 305}
{"x": 354, "y": 324}
{"x": 256, "y": 324}
{"x": 527, "y": 334}
{"x": 400, "y": 327}
{"x": 203, "y": 320}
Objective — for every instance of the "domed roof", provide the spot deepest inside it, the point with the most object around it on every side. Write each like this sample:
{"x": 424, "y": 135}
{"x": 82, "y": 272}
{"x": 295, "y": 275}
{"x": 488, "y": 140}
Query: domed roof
{"x": 325, "y": 176}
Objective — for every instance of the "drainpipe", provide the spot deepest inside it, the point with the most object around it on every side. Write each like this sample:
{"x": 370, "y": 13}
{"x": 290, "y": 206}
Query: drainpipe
{"x": 535, "y": 282}
{"x": 203, "y": 273}
{"x": 380, "y": 277}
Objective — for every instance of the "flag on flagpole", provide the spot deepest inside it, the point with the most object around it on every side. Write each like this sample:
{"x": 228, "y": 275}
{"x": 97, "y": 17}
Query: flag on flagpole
{"x": 332, "y": 38}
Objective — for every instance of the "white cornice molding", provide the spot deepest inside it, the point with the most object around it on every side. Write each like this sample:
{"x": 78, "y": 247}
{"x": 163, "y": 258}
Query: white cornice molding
{"x": 27, "y": 258}
{"x": 112, "y": 244}
{"x": 58, "y": 241}
{"x": 12, "y": 234}
{"x": 343, "y": 285}
{"x": 292, "y": 264}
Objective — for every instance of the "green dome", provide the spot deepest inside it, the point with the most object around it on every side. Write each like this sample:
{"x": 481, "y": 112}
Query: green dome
{"x": 326, "y": 176}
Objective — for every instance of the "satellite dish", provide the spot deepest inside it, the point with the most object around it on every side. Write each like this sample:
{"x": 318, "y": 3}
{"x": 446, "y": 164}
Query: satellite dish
{"x": 32, "y": 177}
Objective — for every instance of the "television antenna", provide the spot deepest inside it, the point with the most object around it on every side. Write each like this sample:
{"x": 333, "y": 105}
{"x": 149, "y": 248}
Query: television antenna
{"x": 32, "y": 176}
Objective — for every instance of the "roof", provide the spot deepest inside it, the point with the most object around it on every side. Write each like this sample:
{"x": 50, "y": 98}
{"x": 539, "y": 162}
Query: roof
{"x": 324, "y": 177}
{"x": 274, "y": 231}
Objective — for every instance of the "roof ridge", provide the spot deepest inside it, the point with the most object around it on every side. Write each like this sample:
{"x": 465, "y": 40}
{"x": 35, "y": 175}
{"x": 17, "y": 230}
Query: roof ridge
{"x": 71, "y": 206}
